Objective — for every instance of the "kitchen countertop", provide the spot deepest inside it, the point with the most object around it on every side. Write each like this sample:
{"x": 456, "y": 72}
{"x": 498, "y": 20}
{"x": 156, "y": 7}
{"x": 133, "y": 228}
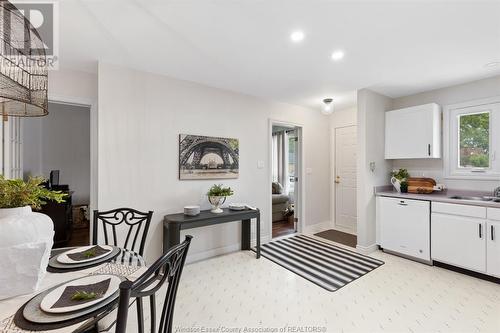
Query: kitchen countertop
{"x": 442, "y": 196}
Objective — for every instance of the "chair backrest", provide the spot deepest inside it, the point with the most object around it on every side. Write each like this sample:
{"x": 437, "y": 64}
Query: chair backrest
{"x": 137, "y": 223}
{"x": 168, "y": 268}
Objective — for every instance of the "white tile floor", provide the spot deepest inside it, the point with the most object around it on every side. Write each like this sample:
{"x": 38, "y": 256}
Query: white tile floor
{"x": 238, "y": 291}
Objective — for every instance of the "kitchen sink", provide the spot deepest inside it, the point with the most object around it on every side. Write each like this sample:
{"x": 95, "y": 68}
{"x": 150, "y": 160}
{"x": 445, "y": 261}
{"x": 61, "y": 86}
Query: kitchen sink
{"x": 459, "y": 197}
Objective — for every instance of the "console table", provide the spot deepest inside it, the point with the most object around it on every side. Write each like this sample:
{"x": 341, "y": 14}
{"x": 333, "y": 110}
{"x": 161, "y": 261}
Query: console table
{"x": 174, "y": 223}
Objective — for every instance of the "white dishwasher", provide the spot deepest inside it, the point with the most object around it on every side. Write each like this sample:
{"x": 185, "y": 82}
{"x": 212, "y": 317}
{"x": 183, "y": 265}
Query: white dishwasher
{"x": 403, "y": 226}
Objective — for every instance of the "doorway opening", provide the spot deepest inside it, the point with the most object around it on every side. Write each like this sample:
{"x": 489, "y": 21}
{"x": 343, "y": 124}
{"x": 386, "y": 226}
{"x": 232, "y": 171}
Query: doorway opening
{"x": 57, "y": 147}
{"x": 285, "y": 188}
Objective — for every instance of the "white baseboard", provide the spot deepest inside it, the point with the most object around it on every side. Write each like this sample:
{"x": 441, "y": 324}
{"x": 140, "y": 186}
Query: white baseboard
{"x": 366, "y": 249}
{"x": 221, "y": 250}
{"x": 318, "y": 227}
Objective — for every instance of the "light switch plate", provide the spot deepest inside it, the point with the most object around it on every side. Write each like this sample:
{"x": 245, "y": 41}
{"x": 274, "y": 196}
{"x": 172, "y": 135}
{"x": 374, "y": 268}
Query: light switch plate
{"x": 260, "y": 164}
{"x": 309, "y": 171}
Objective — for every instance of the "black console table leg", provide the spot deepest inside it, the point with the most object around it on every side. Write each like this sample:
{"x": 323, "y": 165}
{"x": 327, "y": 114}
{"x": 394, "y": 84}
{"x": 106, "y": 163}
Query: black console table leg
{"x": 245, "y": 234}
{"x": 258, "y": 236}
{"x": 174, "y": 235}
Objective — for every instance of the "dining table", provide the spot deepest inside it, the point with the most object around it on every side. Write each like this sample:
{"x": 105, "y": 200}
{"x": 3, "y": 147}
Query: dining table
{"x": 127, "y": 265}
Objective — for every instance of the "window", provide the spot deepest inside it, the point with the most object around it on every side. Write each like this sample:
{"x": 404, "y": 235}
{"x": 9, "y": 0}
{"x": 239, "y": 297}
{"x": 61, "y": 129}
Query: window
{"x": 472, "y": 138}
{"x": 291, "y": 159}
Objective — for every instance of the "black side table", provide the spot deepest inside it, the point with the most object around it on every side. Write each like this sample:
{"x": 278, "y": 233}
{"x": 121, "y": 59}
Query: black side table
{"x": 174, "y": 223}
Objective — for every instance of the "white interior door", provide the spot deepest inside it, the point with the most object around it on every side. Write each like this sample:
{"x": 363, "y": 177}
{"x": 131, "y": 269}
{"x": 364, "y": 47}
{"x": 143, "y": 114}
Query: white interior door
{"x": 345, "y": 179}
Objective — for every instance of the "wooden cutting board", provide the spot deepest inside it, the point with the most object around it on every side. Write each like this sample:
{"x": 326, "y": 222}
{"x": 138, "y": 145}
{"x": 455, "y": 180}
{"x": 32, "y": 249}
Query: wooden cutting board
{"x": 421, "y": 185}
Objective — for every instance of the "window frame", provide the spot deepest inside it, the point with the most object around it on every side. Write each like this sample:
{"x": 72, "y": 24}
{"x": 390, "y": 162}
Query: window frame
{"x": 451, "y": 135}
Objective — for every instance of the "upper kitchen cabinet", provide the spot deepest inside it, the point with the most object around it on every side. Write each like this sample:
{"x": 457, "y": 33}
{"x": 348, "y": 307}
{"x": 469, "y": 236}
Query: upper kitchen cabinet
{"x": 413, "y": 132}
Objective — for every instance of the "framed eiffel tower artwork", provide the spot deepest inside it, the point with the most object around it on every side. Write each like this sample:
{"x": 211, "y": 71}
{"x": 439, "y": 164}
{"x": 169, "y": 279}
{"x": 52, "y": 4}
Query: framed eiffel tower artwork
{"x": 205, "y": 157}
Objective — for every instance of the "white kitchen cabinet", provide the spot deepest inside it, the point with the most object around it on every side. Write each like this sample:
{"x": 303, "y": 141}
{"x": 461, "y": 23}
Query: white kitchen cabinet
{"x": 493, "y": 248}
{"x": 493, "y": 242}
{"x": 413, "y": 132}
{"x": 403, "y": 226}
{"x": 459, "y": 240}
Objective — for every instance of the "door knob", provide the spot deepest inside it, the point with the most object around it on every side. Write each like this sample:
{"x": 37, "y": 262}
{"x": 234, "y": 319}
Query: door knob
{"x": 337, "y": 180}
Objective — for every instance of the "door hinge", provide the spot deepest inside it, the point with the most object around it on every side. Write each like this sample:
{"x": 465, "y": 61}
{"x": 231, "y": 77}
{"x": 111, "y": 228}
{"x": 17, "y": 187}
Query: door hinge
{"x": 296, "y": 139}
{"x": 296, "y": 219}
{"x": 296, "y": 179}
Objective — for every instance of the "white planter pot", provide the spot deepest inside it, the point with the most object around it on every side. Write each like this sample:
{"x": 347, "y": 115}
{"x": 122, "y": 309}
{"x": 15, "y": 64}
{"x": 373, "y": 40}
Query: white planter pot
{"x": 26, "y": 239}
{"x": 216, "y": 203}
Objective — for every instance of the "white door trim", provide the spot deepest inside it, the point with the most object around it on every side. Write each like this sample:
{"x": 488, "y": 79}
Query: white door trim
{"x": 333, "y": 203}
{"x": 86, "y": 102}
{"x": 300, "y": 171}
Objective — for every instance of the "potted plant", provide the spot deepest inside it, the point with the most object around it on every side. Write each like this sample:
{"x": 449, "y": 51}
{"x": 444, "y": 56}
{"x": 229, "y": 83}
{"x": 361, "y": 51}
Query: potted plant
{"x": 26, "y": 237}
{"x": 399, "y": 176}
{"x": 217, "y": 196}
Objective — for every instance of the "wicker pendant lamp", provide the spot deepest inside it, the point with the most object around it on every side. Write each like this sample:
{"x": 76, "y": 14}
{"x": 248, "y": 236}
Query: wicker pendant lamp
{"x": 23, "y": 67}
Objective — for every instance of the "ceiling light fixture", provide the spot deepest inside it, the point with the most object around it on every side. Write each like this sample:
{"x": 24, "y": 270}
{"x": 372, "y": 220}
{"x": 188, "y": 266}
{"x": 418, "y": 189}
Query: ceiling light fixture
{"x": 297, "y": 36}
{"x": 328, "y": 107}
{"x": 337, "y": 55}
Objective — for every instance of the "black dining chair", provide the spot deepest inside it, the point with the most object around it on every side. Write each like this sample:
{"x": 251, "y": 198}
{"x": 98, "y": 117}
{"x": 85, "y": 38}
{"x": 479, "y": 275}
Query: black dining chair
{"x": 136, "y": 221}
{"x": 166, "y": 269}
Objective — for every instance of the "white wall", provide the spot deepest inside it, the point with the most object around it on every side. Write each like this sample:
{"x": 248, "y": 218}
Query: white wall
{"x": 77, "y": 87}
{"x": 60, "y": 141}
{"x": 451, "y": 95}
{"x": 140, "y": 118}
{"x": 339, "y": 118}
{"x": 72, "y": 84}
{"x": 371, "y": 128}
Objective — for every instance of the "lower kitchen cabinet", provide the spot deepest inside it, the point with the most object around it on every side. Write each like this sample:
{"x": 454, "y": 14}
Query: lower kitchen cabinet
{"x": 493, "y": 248}
{"x": 466, "y": 236}
{"x": 403, "y": 226}
{"x": 459, "y": 241}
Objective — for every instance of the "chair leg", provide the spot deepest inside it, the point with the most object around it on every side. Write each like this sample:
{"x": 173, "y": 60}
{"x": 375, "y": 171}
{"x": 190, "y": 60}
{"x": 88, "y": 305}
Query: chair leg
{"x": 140, "y": 314}
{"x": 152, "y": 304}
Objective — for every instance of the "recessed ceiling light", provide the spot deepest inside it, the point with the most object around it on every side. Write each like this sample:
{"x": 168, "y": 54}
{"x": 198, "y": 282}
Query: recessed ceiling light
{"x": 492, "y": 65}
{"x": 297, "y": 36}
{"x": 337, "y": 55}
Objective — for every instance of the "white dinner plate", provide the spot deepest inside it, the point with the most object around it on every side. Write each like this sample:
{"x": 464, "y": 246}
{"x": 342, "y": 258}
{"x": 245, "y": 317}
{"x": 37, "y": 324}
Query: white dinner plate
{"x": 51, "y": 298}
{"x": 237, "y": 206}
{"x": 64, "y": 259}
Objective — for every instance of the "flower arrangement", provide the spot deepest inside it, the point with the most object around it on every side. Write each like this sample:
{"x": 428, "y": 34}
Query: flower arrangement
{"x": 217, "y": 196}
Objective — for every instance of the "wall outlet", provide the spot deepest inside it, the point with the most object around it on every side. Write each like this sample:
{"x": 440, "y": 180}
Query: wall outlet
{"x": 309, "y": 171}
{"x": 260, "y": 164}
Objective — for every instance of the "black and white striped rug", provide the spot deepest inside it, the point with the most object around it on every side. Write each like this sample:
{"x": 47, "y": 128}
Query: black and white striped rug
{"x": 330, "y": 267}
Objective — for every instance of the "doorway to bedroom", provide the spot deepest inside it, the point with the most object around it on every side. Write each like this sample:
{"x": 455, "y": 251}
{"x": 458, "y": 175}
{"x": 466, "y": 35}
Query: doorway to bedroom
{"x": 285, "y": 162}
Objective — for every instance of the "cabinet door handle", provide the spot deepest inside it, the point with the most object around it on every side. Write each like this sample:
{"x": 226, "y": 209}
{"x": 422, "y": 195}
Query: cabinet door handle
{"x": 492, "y": 233}
{"x": 402, "y": 203}
{"x": 480, "y": 231}
{"x": 429, "y": 149}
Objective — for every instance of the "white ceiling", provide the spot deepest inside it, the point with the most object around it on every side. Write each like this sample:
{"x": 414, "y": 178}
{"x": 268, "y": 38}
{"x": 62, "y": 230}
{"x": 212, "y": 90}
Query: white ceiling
{"x": 394, "y": 47}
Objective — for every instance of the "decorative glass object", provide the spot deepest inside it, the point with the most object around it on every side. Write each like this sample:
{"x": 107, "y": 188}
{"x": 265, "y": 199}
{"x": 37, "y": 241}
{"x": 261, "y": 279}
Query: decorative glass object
{"x": 23, "y": 67}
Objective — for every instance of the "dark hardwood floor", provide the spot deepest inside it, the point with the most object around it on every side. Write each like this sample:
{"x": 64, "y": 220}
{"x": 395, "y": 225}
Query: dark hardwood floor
{"x": 79, "y": 237}
{"x": 283, "y": 228}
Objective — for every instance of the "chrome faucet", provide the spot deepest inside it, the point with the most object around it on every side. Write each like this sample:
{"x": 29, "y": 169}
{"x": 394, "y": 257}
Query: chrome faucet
{"x": 496, "y": 192}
